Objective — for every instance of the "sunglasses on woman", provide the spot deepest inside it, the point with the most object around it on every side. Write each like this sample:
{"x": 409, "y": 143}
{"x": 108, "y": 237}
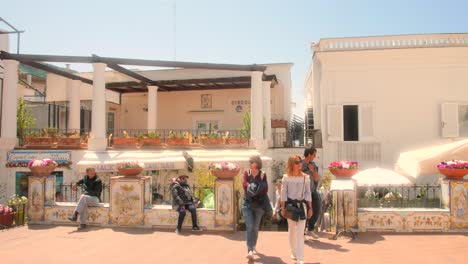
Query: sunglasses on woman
{"x": 298, "y": 161}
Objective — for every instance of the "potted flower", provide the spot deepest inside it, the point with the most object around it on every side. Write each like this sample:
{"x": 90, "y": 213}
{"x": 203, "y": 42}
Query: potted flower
{"x": 19, "y": 207}
{"x": 149, "y": 140}
{"x": 343, "y": 168}
{"x": 237, "y": 140}
{"x": 130, "y": 168}
{"x": 42, "y": 167}
{"x": 178, "y": 139}
{"x": 125, "y": 141}
{"x": 224, "y": 170}
{"x": 453, "y": 169}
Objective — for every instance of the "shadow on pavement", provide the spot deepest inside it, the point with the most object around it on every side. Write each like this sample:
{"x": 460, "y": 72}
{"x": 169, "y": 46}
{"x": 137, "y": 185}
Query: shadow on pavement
{"x": 367, "y": 238}
{"x": 320, "y": 244}
{"x": 261, "y": 258}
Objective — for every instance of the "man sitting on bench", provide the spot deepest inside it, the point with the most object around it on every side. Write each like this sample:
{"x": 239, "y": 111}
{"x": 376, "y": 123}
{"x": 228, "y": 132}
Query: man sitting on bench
{"x": 92, "y": 188}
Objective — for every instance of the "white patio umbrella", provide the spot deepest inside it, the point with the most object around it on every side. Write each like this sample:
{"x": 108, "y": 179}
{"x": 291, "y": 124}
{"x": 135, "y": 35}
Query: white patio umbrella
{"x": 379, "y": 176}
{"x": 424, "y": 161}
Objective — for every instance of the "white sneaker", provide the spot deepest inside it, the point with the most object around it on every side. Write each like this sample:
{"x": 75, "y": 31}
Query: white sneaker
{"x": 312, "y": 234}
{"x": 300, "y": 262}
{"x": 250, "y": 255}
{"x": 293, "y": 256}
{"x": 254, "y": 250}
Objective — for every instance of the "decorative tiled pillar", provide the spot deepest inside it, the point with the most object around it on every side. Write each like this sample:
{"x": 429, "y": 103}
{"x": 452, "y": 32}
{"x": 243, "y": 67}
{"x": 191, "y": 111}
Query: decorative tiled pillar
{"x": 345, "y": 197}
{"x": 41, "y": 195}
{"x": 224, "y": 201}
{"x": 128, "y": 199}
{"x": 458, "y": 204}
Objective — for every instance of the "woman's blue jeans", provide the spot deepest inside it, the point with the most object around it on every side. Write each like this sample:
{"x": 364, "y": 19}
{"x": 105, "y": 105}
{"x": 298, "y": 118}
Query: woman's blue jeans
{"x": 252, "y": 217}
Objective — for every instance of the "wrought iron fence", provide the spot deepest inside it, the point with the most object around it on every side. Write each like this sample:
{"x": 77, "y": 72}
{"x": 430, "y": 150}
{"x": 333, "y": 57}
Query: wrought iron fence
{"x": 161, "y": 194}
{"x": 417, "y": 196}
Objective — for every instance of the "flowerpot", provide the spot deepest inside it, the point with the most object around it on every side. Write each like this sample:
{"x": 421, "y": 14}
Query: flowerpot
{"x": 130, "y": 171}
{"x": 236, "y": 141}
{"x": 343, "y": 173}
{"x": 42, "y": 170}
{"x": 225, "y": 174}
{"x": 68, "y": 143}
{"x": 39, "y": 142}
{"x": 454, "y": 174}
{"x": 130, "y": 142}
{"x": 150, "y": 142}
{"x": 177, "y": 141}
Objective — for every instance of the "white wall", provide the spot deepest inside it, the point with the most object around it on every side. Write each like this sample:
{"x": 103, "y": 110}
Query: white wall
{"x": 407, "y": 87}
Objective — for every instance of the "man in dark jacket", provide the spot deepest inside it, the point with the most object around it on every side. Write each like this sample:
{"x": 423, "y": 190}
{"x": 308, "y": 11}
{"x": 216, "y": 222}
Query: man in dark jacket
{"x": 310, "y": 168}
{"x": 92, "y": 188}
{"x": 183, "y": 200}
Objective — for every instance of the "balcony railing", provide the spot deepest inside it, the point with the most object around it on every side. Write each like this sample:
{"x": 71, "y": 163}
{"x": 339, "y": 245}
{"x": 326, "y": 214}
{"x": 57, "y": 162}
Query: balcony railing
{"x": 54, "y": 138}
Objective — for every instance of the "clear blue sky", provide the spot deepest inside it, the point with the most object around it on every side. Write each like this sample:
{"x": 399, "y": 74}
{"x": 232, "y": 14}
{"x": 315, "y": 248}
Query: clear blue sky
{"x": 220, "y": 31}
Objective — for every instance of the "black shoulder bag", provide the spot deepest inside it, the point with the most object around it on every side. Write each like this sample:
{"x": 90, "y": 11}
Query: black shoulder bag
{"x": 294, "y": 209}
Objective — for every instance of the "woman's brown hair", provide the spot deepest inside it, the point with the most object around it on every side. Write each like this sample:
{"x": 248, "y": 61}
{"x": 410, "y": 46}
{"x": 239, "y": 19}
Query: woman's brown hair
{"x": 256, "y": 159}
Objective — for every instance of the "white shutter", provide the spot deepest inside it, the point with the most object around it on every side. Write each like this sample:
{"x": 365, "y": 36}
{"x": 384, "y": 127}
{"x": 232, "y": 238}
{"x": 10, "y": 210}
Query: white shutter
{"x": 366, "y": 122}
{"x": 449, "y": 122}
{"x": 335, "y": 122}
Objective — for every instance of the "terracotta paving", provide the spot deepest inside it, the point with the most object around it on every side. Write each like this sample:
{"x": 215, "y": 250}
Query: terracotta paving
{"x": 63, "y": 244}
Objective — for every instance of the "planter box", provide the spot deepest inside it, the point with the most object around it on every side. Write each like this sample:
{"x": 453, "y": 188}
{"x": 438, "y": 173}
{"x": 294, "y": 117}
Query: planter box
{"x": 177, "y": 141}
{"x": 71, "y": 143}
{"x": 237, "y": 141}
{"x": 125, "y": 142}
{"x": 212, "y": 141}
{"x": 279, "y": 123}
{"x": 150, "y": 142}
{"x": 39, "y": 142}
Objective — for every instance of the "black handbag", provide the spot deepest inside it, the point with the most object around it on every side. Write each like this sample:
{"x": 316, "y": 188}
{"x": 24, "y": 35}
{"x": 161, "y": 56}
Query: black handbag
{"x": 293, "y": 208}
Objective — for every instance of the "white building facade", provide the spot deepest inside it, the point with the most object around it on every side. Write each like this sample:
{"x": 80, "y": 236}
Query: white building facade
{"x": 374, "y": 97}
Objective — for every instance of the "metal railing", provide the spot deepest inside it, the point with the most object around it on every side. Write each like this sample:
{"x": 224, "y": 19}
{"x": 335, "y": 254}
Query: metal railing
{"x": 415, "y": 196}
{"x": 161, "y": 194}
{"x": 193, "y": 136}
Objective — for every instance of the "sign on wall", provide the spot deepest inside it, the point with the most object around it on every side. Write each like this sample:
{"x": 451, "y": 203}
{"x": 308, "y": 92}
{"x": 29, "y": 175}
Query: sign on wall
{"x": 20, "y": 158}
{"x": 240, "y": 105}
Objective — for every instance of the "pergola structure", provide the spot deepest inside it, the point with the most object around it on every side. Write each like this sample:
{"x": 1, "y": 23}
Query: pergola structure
{"x": 255, "y": 79}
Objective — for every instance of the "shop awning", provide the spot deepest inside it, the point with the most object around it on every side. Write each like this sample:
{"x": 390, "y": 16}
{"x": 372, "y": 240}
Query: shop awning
{"x": 107, "y": 161}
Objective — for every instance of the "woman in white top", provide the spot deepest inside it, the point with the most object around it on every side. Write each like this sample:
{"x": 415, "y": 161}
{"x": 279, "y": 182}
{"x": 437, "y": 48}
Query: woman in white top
{"x": 295, "y": 188}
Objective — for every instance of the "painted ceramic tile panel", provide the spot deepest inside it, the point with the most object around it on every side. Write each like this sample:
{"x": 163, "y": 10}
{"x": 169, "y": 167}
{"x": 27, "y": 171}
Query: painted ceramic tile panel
{"x": 459, "y": 204}
{"x": 349, "y": 206}
{"x": 50, "y": 190}
{"x": 96, "y": 215}
{"x": 381, "y": 221}
{"x": 126, "y": 207}
{"x": 427, "y": 221}
{"x": 36, "y": 199}
{"x": 224, "y": 202}
{"x": 148, "y": 193}
{"x": 168, "y": 217}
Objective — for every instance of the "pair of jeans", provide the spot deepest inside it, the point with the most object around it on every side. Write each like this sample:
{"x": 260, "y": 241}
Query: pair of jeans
{"x": 182, "y": 212}
{"x": 316, "y": 208}
{"x": 252, "y": 217}
{"x": 83, "y": 204}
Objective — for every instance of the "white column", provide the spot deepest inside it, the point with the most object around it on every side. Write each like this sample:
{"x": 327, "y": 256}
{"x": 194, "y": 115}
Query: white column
{"x": 10, "y": 103}
{"x": 98, "y": 139}
{"x": 152, "y": 107}
{"x": 267, "y": 109}
{"x": 74, "y": 100}
{"x": 256, "y": 105}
